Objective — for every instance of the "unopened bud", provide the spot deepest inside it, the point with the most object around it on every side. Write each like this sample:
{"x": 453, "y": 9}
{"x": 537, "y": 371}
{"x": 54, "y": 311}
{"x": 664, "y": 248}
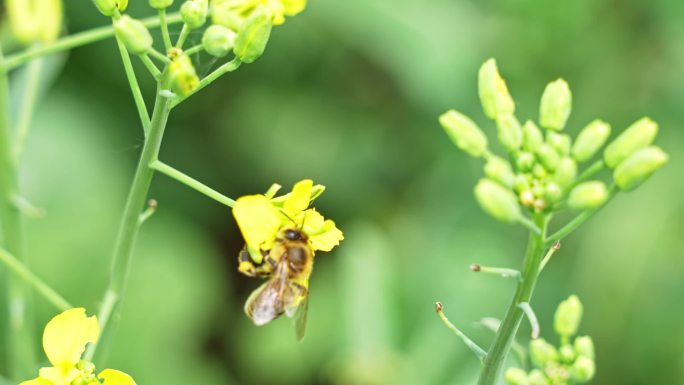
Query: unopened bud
{"x": 522, "y": 182}
{"x": 500, "y": 170}
{"x": 160, "y": 4}
{"x": 218, "y": 40}
{"x": 498, "y": 201}
{"x": 553, "y": 193}
{"x": 35, "y": 20}
{"x": 566, "y": 172}
{"x": 516, "y": 376}
{"x": 568, "y": 316}
{"x": 567, "y": 354}
{"x": 590, "y": 140}
{"x": 110, "y": 7}
{"x": 588, "y": 195}
{"x": 583, "y": 369}
{"x": 509, "y": 132}
{"x": 133, "y": 34}
{"x": 532, "y": 136}
{"x": 527, "y": 198}
{"x": 542, "y": 352}
{"x": 194, "y": 13}
{"x": 556, "y": 104}
{"x": 252, "y": 39}
{"x": 494, "y": 95}
{"x": 584, "y": 346}
{"x": 180, "y": 76}
{"x": 537, "y": 377}
{"x": 560, "y": 142}
{"x": 548, "y": 156}
{"x": 539, "y": 171}
{"x": 222, "y": 13}
{"x": 464, "y": 133}
{"x": 633, "y": 171}
{"x": 637, "y": 136}
{"x": 525, "y": 161}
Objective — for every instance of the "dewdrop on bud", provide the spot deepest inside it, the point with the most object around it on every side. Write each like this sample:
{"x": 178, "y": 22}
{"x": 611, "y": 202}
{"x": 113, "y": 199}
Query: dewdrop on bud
{"x": 537, "y": 377}
{"x": 525, "y": 161}
{"x": 542, "y": 352}
{"x": 494, "y": 95}
{"x": 133, "y": 34}
{"x": 160, "y": 4}
{"x": 252, "y": 39}
{"x": 566, "y": 172}
{"x": 35, "y": 20}
{"x": 180, "y": 76}
{"x": 516, "y": 376}
{"x": 568, "y": 316}
{"x": 633, "y": 171}
{"x": 218, "y": 40}
{"x": 560, "y": 142}
{"x": 497, "y": 201}
{"x": 464, "y": 133}
{"x": 556, "y": 103}
{"x": 194, "y": 13}
{"x": 590, "y": 140}
{"x": 509, "y": 132}
{"x": 532, "y": 136}
{"x": 500, "y": 170}
{"x": 110, "y": 7}
{"x": 637, "y": 136}
{"x": 583, "y": 369}
{"x": 584, "y": 346}
{"x": 548, "y": 157}
{"x": 588, "y": 195}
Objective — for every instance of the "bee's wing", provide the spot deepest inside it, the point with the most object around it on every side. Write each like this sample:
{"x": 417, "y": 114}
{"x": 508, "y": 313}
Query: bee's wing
{"x": 266, "y": 302}
{"x": 300, "y": 318}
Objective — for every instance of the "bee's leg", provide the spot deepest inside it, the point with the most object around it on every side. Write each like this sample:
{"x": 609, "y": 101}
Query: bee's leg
{"x": 246, "y": 265}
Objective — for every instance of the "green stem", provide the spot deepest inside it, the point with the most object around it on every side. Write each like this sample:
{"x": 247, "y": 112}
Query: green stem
{"x": 185, "y": 32}
{"x": 154, "y": 71}
{"x": 475, "y": 348}
{"x": 592, "y": 170}
{"x": 191, "y": 182}
{"x": 130, "y": 223}
{"x": 135, "y": 87}
{"x": 77, "y": 40}
{"x": 21, "y": 271}
{"x": 165, "y": 29}
{"x": 28, "y": 105}
{"x": 222, "y": 70}
{"x": 509, "y": 326}
{"x": 159, "y": 56}
{"x": 193, "y": 50}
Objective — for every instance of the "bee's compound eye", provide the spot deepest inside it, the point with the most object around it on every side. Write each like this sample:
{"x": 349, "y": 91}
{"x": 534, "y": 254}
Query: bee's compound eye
{"x": 293, "y": 235}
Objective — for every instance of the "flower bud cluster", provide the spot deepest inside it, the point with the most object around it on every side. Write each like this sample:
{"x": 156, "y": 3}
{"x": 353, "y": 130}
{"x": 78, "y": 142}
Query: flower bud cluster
{"x": 541, "y": 170}
{"x": 571, "y": 363}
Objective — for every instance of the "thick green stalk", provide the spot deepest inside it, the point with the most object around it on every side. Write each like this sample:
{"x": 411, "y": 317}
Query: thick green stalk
{"x": 18, "y": 334}
{"x": 506, "y": 334}
{"x": 130, "y": 224}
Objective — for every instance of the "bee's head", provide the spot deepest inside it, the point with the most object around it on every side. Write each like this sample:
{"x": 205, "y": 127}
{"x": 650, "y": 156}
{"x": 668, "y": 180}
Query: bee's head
{"x": 294, "y": 235}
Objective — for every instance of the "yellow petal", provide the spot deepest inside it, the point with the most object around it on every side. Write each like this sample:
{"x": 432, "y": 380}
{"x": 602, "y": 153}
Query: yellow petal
{"x": 258, "y": 220}
{"x": 115, "y": 377}
{"x": 66, "y": 336}
{"x": 293, "y": 7}
{"x": 59, "y": 376}
{"x": 300, "y": 197}
{"x": 328, "y": 238}
{"x": 37, "y": 381}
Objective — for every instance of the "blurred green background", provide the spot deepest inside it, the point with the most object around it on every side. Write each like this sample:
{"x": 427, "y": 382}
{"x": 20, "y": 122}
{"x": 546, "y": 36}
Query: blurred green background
{"x": 348, "y": 93}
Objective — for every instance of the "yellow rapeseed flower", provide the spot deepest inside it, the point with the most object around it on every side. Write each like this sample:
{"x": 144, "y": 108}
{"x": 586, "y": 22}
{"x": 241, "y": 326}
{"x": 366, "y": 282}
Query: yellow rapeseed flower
{"x": 64, "y": 341}
{"x": 230, "y": 13}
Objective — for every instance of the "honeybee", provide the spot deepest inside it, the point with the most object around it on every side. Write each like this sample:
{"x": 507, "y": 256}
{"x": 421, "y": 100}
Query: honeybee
{"x": 288, "y": 266}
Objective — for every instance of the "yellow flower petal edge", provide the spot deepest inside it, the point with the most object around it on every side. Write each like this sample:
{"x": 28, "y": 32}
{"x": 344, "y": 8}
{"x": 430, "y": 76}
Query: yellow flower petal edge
{"x": 115, "y": 377}
{"x": 36, "y": 381}
{"x": 258, "y": 221}
{"x": 66, "y": 336}
{"x": 300, "y": 197}
{"x": 294, "y": 7}
{"x": 323, "y": 234}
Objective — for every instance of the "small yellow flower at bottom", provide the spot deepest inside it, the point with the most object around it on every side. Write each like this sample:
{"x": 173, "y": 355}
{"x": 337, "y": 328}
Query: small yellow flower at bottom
{"x": 64, "y": 341}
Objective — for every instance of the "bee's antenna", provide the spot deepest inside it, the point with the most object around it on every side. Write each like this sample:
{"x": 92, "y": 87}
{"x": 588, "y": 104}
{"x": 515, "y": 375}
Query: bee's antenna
{"x": 288, "y": 217}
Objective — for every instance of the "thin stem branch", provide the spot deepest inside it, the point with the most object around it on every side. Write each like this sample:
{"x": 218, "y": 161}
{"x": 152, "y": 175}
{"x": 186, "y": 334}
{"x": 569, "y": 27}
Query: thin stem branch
{"x": 185, "y": 32}
{"x": 479, "y": 352}
{"x": 592, "y": 170}
{"x": 191, "y": 182}
{"x": 28, "y": 106}
{"x": 135, "y": 87}
{"x": 159, "y": 56}
{"x": 195, "y": 49}
{"x": 493, "y": 324}
{"x": 22, "y": 272}
{"x": 27, "y": 208}
{"x": 534, "y": 322}
{"x": 149, "y": 211}
{"x": 77, "y": 40}
{"x": 165, "y": 29}
{"x": 222, "y": 70}
{"x": 502, "y": 271}
{"x": 149, "y": 64}
{"x": 552, "y": 250}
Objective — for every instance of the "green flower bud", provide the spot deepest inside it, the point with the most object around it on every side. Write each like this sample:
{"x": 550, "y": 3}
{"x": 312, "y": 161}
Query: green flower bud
{"x": 35, "y": 20}
{"x": 493, "y": 91}
{"x": 500, "y": 170}
{"x": 542, "y": 352}
{"x": 566, "y": 172}
{"x": 548, "y": 157}
{"x": 588, "y": 195}
{"x": 553, "y": 193}
{"x": 537, "y": 377}
{"x": 194, "y": 13}
{"x": 633, "y": 171}
{"x": 464, "y": 133}
{"x": 583, "y": 369}
{"x": 133, "y": 34}
{"x": 497, "y": 200}
{"x": 180, "y": 76}
{"x": 522, "y": 182}
{"x": 584, "y": 346}
{"x": 568, "y": 316}
{"x": 532, "y": 136}
{"x": 567, "y": 353}
{"x": 556, "y": 103}
{"x": 590, "y": 140}
{"x": 539, "y": 171}
{"x": 560, "y": 142}
{"x": 251, "y": 40}
{"x": 223, "y": 13}
{"x": 637, "y": 136}
{"x": 525, "y": 161}
{"x": 516, "y": 376}
{"x": 160, "y": 4}
{"x": 109, "y": 7}
{"x": 509, "y": 132}
{"x": 218, "y": 40}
